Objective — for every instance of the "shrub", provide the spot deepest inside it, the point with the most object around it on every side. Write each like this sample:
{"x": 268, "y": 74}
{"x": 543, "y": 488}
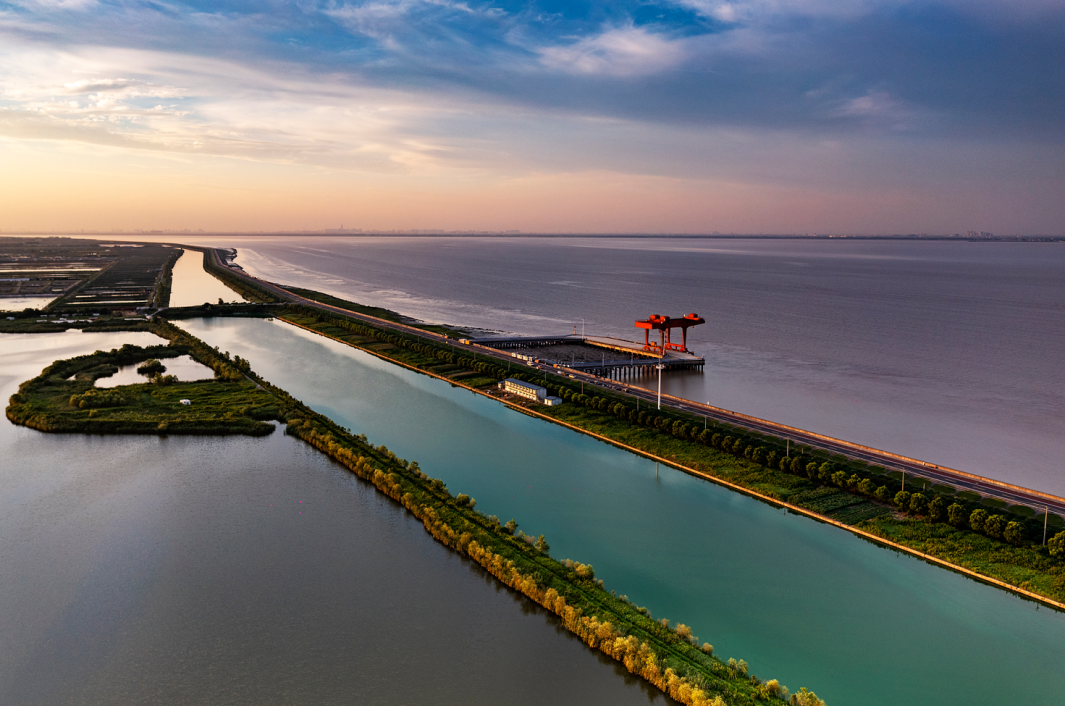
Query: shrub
{"x": 977, "y": 520}
{"x": 94, "y": 399}
{"x": 806, "y": 698}
{"x": 1056, "y": 545}
{"x": 151, "y": 367}
{"x": 995, "y": 526}
{"x": 1015, "y": 533}
{"x": 164, "y": 380}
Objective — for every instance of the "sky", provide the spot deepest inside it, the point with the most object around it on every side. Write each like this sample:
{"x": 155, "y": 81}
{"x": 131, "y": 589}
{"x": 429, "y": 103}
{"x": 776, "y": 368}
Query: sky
{"x": 683, "y": 116}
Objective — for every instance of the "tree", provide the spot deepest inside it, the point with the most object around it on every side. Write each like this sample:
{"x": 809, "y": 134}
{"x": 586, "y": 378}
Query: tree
{"x": 839, "y": 478}
{"x": 853, "y": 481}
{"x": 811, "y": 469}
{"x": 883, "y": 494}
{"x": 937, "y": 509}
{"x": 825, "y": 471}
{"x": 510, "y": 526}
{"x": 956, "y": 515}
{"x": 541, "y": 545}
{"x": 977, "y": 520}
{"x": 867, "y": 487}
{"x": 758, "y": 455}
{"x": 1015, "y": 533}
{"x": 902, "y": 499}
{"x": 806, "y": 698}
{"x": 797, "y": 465}
{"x": 918, "y": 504}
{"x": 771, "y": 459}
{"x": 786, "y": 464}
{"x": 1056, "y": 545}
{"x": 995, "y": 526}
{"x": 715, "y": 440}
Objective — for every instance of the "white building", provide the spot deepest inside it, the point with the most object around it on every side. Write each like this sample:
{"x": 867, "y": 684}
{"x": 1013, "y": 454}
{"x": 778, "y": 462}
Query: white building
{"x": 525, "y": 389}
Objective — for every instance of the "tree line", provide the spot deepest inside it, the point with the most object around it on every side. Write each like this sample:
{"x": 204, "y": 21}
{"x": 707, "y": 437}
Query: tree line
{"x": 772, "y": 453}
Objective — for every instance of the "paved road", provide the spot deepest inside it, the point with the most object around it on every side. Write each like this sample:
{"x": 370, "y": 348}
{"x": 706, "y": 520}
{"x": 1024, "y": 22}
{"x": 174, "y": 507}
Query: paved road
{"x": 911, "y": 467}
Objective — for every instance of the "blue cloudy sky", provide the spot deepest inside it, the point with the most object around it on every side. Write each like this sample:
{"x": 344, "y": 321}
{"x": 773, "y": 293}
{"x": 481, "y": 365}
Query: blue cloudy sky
{"x": 693, "y": 115}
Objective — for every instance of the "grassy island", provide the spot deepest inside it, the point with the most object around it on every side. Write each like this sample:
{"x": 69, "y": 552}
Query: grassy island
{"x": 64, "y": 398}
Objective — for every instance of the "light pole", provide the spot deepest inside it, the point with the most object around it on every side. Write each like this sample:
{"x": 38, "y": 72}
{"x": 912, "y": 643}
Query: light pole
{"x": 659, "y": 385}
{"x": 1046, "y": 518}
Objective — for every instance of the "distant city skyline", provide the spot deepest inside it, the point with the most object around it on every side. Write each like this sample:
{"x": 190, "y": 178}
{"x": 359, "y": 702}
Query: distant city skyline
{"x": 683, "y": 116}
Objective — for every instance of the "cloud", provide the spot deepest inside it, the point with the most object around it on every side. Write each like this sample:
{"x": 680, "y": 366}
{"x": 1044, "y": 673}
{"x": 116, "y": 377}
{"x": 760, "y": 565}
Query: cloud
{"x": 625, "y": 51}
{"x": 384, "y": 18}
{"x": 878, "y": 109}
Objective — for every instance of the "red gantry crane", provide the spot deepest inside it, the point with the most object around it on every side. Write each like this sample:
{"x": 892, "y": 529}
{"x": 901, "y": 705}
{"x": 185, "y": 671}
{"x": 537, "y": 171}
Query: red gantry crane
{"x": 663, "y": 324}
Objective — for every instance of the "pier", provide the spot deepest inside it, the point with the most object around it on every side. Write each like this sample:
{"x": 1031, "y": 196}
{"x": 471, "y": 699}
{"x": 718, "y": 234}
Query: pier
{"x": 603, "y": 356}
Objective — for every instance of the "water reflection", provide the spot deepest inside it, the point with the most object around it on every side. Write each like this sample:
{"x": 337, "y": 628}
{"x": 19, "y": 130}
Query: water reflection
{"x": 192, "y": 286}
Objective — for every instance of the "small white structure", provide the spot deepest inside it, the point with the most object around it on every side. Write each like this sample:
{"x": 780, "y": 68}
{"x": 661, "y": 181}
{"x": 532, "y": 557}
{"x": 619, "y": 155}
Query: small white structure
{"x": 185, "y": 401}
{"x": 525, "y": 389}
{"x": 552, "y": 401}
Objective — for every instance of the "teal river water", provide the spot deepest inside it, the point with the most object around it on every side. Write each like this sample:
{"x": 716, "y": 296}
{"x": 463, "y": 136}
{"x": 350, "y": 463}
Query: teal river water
{"x": 799, "y": 600}
{"x": 140, "y": 570}
{"x": 145, "y": 570}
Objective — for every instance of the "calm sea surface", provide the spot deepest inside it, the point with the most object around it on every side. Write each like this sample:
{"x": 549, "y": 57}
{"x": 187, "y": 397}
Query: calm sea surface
{"x": 800, "y": 601}
{"x": 950, "y": 352}
{"x": 139, "y": 570}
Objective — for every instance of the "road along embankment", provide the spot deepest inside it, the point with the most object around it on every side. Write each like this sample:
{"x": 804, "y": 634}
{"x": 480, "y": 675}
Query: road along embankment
{"x": 258, "y": 290}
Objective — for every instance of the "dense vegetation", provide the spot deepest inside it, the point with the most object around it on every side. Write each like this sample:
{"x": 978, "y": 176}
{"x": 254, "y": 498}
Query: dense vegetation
{"x": 63, "y": 397}
{"x": 165, "y": 282}
{"x": 980, "y": 534}
{"x": 34, "y": 321}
